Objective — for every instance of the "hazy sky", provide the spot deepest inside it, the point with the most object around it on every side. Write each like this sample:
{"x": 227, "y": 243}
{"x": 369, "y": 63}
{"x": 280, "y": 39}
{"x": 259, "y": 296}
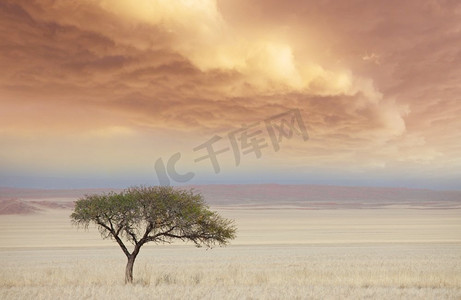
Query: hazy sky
{"x": 94, "y": 92}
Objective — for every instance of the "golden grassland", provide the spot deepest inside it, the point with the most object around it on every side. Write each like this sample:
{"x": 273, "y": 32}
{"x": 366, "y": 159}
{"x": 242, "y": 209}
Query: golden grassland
{"x": 279, "y": 254}
{"x": 239, "y": 272}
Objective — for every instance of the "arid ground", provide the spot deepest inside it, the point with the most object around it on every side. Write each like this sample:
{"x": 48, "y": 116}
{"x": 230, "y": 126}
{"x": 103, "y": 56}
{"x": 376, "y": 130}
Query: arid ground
{"x": 335, "y": 251}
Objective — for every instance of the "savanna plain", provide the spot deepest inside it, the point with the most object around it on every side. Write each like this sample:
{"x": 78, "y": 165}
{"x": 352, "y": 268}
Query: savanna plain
{"x": 281, "y": 252}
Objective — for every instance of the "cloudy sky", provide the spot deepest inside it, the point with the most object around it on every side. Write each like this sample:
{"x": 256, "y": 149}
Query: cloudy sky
{"x": 99, "y": 92}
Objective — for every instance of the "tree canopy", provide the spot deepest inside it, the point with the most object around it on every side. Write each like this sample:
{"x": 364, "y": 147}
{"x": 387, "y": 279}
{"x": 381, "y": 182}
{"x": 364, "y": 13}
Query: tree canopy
{"x": 152, "y": 214}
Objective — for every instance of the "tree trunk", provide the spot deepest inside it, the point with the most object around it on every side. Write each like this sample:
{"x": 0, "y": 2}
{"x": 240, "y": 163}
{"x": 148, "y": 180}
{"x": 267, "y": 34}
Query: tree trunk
{"x": 129, "y": 269}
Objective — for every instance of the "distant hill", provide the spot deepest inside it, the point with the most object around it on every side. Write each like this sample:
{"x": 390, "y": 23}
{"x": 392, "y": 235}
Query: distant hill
{"x": 324, "y": 195}
{"x": 259, "y": 196}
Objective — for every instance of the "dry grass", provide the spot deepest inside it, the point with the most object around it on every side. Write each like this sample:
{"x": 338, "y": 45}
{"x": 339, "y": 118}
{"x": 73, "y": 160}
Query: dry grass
{"x": 245, "y": 272}
{"x": 327, "y": 254}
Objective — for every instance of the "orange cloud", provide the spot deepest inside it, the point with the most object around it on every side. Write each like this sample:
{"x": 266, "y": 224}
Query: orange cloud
{"x": 130, "y": 72}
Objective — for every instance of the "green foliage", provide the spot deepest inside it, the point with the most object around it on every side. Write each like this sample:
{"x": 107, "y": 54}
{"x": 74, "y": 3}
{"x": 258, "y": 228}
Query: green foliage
{"x": 153, "y": 214}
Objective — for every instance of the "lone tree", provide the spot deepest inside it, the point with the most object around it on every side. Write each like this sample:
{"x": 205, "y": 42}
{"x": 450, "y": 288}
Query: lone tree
{"x": 152, "y": 214}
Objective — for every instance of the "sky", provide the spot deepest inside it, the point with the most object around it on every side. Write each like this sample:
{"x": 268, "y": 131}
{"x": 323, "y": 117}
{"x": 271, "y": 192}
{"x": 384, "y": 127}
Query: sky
{"x": 112, "y": 93}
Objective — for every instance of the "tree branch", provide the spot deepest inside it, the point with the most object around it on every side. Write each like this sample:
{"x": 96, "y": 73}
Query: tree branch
{"x": 116, "y": 237}
{"x": 132, "y": 234}
{"x": 155, "y": 237}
